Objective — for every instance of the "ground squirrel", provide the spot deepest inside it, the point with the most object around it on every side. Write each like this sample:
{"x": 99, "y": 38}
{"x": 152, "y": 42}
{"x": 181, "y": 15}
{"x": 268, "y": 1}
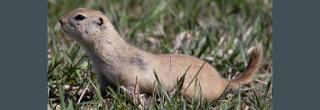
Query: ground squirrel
{"x": 115, "y": 59}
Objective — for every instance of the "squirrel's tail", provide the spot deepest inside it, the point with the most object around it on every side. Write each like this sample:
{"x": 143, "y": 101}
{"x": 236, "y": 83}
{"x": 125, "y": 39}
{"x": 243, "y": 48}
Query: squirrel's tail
{"x": 252, "y": 68}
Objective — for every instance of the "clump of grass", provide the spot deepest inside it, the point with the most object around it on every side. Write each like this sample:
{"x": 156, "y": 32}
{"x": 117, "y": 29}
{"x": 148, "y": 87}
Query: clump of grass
{"x": 221, "y": 33}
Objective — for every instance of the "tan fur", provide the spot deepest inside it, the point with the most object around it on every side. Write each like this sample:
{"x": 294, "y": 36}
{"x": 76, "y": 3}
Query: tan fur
{"x": 115, "y": 59}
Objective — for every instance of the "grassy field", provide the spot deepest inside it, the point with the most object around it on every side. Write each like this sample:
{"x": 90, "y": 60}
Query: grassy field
{"x": 220, "y": 32}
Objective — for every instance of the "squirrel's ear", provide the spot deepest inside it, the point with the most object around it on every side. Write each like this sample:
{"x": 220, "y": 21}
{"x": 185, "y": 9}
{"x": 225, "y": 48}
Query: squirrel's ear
{"x": 100, "y": 21}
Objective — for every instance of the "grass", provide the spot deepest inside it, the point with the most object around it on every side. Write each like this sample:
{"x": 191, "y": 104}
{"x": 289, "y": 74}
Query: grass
{"x": 218, "y": 31}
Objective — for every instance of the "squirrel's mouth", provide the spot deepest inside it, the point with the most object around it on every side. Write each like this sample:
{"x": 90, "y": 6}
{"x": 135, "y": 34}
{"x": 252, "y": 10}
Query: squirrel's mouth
{"x": 61, "y": 22}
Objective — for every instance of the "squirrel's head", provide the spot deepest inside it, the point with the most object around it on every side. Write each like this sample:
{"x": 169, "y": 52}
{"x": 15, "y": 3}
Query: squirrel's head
{"x": 85, "y": 25}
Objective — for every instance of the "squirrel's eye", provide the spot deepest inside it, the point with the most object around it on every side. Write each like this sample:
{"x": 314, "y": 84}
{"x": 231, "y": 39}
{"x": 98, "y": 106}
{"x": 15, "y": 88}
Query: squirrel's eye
{"x": 79, "y": 17}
